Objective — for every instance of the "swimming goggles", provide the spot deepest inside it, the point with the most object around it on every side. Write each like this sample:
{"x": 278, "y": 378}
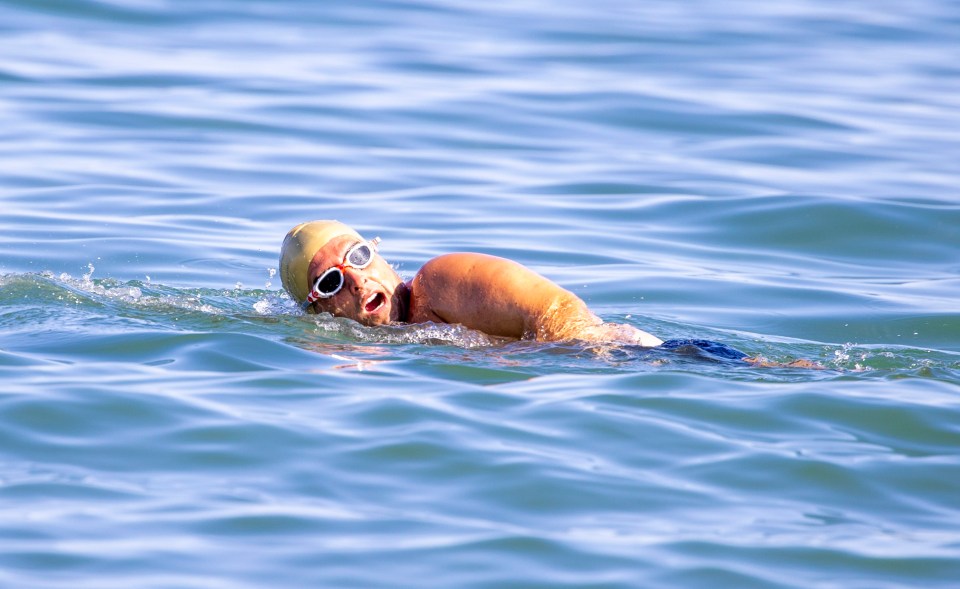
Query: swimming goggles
{"x": 331, "y": 281}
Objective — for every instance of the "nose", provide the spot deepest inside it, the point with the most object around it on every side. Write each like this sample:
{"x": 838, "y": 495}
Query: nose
{"x": 353, "y": 279}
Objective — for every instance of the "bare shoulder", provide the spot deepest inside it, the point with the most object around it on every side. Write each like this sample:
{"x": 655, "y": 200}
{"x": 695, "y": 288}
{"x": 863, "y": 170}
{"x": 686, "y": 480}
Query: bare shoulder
{"x": 448, "y": 265}
{"x": 495, "y": 295}
{"x": 441, "y": 267}
{"x": 436, "y": 289}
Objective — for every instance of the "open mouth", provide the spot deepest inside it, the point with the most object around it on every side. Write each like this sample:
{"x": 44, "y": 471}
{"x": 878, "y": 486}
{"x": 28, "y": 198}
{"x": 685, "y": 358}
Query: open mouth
{"x": 374, "y": 302}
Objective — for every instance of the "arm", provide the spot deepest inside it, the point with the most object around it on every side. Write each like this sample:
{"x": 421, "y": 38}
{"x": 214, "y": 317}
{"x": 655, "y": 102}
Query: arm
{"x": 501, "y": 297}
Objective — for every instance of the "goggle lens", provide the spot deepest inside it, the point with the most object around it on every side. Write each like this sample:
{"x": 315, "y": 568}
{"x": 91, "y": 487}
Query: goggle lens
{"x": 329, "y": 283}
{"x": 359, "y": 256}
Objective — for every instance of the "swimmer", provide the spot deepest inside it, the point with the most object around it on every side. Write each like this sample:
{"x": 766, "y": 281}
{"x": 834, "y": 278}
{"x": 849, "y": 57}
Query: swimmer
{"x": 326, "y": 266}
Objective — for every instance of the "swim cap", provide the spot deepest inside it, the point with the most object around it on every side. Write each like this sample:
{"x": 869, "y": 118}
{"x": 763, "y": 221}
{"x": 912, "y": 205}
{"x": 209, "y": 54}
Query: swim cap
{"x": 299, "y": 246}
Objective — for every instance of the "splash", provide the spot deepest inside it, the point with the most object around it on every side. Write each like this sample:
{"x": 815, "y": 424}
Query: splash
{"x": 430, "y": 334}
{"x": 271, "y": 272}
{"x": 86, "y": 289}
{"x": 849, "y": 358}
{"x": 274, "y": 304}
{"x": 85, "y": 286}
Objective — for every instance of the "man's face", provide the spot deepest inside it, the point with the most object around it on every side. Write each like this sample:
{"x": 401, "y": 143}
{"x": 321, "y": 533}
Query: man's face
{"x": 369, "y": 296}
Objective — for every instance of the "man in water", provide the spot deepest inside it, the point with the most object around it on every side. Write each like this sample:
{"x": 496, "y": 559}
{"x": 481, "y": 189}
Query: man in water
{"x": 328, "y": 267}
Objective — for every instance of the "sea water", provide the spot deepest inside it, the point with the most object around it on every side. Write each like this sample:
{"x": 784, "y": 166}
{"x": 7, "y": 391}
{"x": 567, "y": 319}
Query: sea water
{"x": 779, "y": 176}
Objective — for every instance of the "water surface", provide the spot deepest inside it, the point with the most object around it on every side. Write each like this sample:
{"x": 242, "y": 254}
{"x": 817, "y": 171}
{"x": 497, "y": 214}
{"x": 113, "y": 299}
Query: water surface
{"x": 780, "y": 177}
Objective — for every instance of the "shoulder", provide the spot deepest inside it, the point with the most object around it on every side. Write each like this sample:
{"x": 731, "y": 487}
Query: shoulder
{"x": 437, "y": 284}
{"x": 477, "y": 290}
{"x": 432, "y": 289}
{"x": 457, "y": 262}
{"x": 476, "y": 268}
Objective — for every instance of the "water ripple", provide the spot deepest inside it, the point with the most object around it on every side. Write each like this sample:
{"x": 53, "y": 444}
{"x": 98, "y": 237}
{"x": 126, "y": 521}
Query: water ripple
{"x": 780, "y": 177}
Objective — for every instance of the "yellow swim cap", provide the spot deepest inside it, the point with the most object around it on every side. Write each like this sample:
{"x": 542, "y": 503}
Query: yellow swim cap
{"x": 299, "y": 246}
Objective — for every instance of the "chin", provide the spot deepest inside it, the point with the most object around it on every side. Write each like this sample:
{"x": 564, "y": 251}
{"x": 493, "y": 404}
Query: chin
{"x": 381, "y": 317}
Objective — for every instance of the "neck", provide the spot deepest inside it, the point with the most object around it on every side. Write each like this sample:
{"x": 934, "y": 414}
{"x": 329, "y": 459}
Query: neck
{"x": 402, "y": 296}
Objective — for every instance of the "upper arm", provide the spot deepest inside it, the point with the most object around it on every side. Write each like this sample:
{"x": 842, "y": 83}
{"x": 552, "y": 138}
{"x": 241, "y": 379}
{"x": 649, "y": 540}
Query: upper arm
{"x": 496, "y": 296}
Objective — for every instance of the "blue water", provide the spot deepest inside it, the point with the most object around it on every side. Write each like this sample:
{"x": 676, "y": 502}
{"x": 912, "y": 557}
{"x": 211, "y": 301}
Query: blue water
{"x": 779, "y": 176}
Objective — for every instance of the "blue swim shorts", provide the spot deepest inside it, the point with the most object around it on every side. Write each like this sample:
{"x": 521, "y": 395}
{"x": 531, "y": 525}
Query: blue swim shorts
{"x": 714, "y": 349}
